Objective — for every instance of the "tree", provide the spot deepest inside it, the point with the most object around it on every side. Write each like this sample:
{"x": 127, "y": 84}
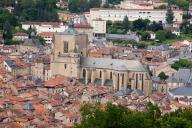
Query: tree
{"x": 82, "y": 5}
{"x": 170, "y": 35}
{"x": 7, "y": 33}
{"x": 36, "y": 10}
{"x": 6, "y": 16}
{"x": 163, "y": 76}
{"x": 169, "y": 16}
{"x": 155, "y": 26}
{"x": 183, "y": 4}
{"x": 186, "y": 27}
{"x": 114, "y": 2}
{"x": 112, "y": 116}
{"x": 161, "y": 35}
{"x": 144, "y": 35}
{"x": 140, "y": 24}
{"x": 182, "y": 63}
{"x": 125, "y": 23}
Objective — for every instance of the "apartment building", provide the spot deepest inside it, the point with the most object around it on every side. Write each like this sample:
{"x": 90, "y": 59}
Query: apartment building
{"x": 132, "y": 14}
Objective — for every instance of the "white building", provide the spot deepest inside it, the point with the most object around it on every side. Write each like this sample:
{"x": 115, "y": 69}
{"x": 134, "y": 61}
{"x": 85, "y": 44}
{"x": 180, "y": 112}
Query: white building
{"x": 132, "y": 14}
{"x": 188, "y": 43}
{"x": 176, "y": 31}
{"x": 45, "y": 26}
{"x": 130, "y": 4}
{"x": 152, "y": 35}
{"x": 20, "y": 36}
{"x": 47, "y": 36}
{"x": 99, "y": 28}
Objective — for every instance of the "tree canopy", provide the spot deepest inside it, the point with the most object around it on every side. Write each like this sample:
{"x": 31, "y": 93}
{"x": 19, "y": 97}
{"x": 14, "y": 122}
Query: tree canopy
{"x": 183, "y": 4}
{"x": 95, "y": 116}
{"x": 114, "y": 2}
{"x": 37, "y": 10}
{"x": 169, "y": 16}
{"x": 163, "y": 76}
{"x": 125, "y": 23}
{"x": 182, "y": 63}
{"x": 33, "y": 10}
{"x": 140, "y": 24}
{"x": 83, "y": 5}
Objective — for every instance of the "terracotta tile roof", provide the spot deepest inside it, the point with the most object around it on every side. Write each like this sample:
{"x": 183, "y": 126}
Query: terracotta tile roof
{"x": 10, "y": 125}
{"x": 54, "y": 24}
{"x": 50, "y": 34}
{"x": 29, "y": 94}
{"x": 178, "y": 45}
{"x": 59, "y": 80}
{"x": 20, "y": 34}
{"x": 71, "y": 115}
{"x": 21, "y": 120}
{"x": 83, "y": 26}
{"x": 3, "y": 71}
{"x": 55, "y": 103}
{"x": 177, "y": 104}
{"x": 39, "y": 108}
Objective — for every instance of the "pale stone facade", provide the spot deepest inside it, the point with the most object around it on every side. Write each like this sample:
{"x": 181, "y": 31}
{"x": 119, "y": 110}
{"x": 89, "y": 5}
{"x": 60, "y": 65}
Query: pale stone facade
{"x": 132, "y": 14}
{"x": 41, "y": 70}
{"x": 99, "y": 28}
{"x": 66, "y": 53}
{"x": 130, "y": 4}
{"x": 69, "y": 59}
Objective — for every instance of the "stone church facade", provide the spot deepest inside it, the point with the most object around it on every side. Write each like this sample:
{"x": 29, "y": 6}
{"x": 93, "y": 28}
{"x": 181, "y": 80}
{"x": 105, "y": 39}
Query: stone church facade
{"x": 69, "y": 59}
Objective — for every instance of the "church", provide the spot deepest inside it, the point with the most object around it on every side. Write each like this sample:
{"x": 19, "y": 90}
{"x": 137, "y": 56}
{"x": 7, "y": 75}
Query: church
{"x": 69, "y": 59}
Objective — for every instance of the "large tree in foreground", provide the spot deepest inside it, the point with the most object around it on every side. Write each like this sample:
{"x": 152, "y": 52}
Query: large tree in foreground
{"x": 112, "y": 116}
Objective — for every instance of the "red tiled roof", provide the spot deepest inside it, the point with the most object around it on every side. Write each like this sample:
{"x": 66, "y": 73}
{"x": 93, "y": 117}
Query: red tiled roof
{"x": 46, "y": 34}
{"x": 83, "y": 26}
{"x": 55, "y": 82}
{"x": 20, "y": 34}
{"x": 54, "y": 24}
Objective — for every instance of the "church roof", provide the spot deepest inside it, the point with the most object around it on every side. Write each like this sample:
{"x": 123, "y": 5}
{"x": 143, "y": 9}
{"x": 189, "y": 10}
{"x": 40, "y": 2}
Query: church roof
{"x": 113, "y": 64}
{"x": 69, "y": 31}
{"x": 182, "y": 91}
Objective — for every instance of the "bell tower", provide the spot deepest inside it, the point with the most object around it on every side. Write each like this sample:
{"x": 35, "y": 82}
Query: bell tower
{"x": 67, "y": 48}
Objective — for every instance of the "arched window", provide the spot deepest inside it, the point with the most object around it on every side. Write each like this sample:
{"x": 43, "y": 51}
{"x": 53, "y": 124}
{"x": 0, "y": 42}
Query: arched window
{"x": 136, "y": 81}
{"x": 65, "y": 50}
{"x": 122, "y": 78}
{"x": 84, "y": 73}
{"x": 100, "y": 75}
{"x": 65, "y": 66}
{"x": 111, "y": 75}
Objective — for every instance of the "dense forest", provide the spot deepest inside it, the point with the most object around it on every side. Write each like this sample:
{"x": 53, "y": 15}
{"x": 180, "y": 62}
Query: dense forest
{"x": 76, "y": 6}
{"x": 183, "y": 4}
{"x": 24, "y": 10}
{"x": 111, "y": 116}
{"x": 33, "y": 10}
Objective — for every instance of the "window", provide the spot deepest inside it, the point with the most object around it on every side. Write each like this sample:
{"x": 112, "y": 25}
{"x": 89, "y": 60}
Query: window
{"x": 84, "y": 73}
{"x": 100, "y": 75}
{"x": 65, "y": 66}
{"x": 122, "y": 78}
{"x": 136, "y": 81}
{"x": 111, "y": 75}
{"x": 65, "y": 47}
